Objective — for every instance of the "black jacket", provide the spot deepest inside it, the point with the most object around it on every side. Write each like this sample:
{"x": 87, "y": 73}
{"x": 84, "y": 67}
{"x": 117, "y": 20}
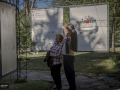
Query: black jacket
{"x": 74, "y": 41}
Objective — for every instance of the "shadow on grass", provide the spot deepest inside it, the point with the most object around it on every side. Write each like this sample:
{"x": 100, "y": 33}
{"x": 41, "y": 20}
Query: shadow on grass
{"x": 116, "y": 73}
{"x": 29, "y": 85}
{"x": 87, "y": 62}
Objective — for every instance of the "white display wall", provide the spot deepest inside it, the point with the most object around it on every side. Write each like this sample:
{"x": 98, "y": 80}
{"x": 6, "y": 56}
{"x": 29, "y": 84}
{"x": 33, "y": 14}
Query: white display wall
{"x": 91, "y": 23}
{"x": 46, "y": 23}
{"x": 8, "y": 59}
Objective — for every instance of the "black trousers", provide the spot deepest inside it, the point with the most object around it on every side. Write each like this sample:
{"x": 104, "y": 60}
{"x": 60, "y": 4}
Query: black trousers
{"x": 55, "y": 72}
{"x": 69, "y": 70}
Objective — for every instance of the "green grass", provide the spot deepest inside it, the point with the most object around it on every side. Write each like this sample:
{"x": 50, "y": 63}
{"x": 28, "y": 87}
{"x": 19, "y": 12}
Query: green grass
{"x": 88, "y": 62}
{"x": 31, "y": 85}
{"x": 117, "y": 49}
{"x": 85, "y": 62}
{"x": 94, "y": 63}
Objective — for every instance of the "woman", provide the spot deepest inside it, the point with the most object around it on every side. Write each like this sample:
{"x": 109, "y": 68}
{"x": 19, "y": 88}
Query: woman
{"x": 56, "y": 53}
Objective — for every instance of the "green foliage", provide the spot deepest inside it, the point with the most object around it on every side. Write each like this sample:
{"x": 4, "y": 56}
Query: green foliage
{"x": 24, "y": 30}
{"x": 66, "y": 15}
{"x": 113, "y": 60}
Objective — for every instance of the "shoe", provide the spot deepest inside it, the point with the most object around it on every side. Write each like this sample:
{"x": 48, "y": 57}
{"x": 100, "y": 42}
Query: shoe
{"x": 71, "y": 89}
{"x": 55, "y": 88}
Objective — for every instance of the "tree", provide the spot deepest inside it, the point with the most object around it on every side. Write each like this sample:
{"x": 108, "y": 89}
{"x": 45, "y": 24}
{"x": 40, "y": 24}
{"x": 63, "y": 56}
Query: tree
{"x": 113, "y": 28}
{"x": 32, "y": 4}
{"x": 29, "y": 5}
{"x": 23, "y": 25}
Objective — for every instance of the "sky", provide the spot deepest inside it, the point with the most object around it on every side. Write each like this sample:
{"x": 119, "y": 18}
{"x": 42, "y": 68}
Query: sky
{"x": 40, "y": 4}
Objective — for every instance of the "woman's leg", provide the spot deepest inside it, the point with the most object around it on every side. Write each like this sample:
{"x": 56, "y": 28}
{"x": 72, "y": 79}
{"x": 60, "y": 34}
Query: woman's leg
{"x": 55, "y": 72}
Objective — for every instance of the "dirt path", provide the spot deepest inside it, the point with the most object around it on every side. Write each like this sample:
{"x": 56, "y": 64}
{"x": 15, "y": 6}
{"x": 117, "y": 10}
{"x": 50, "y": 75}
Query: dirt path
{"x": 84, "y": 81}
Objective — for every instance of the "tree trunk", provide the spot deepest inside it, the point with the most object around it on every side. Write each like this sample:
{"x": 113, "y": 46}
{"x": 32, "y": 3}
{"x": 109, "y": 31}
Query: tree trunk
{"x": 113, "y": 29}
{"x": 96, "y": 1}
{"x": 113, "y": 35}
{"x": 27, "y": 6}
{"x": 10, "y": 1}
{"x": 33, "y": 3}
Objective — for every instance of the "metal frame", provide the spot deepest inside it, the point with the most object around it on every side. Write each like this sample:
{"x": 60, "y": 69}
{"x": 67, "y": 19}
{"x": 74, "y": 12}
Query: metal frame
{"x": 0, "y": 49}
{"x": 8, "y": 3}
{"x": 17, "y": 11}
{"x": 18, "y": 69}
{"x": 26, "y": 42}
{"x": 83, "y": 5}
{"x": 108, "y": 35}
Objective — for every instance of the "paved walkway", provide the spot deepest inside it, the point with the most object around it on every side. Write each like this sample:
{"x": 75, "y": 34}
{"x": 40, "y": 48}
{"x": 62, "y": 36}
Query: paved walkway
{"x": 84, "y": 81}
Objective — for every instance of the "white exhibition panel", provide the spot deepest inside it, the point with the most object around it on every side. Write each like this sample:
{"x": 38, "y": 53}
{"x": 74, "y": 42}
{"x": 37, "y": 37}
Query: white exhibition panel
{"x": 46, "y": 23}
{"x": 91, "y": 23}
{"x": 8, "y": 38}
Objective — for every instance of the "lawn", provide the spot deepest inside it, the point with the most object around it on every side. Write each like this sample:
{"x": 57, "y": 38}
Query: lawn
{"x": 30, "y": 85}
{"x": 87, "y": 62}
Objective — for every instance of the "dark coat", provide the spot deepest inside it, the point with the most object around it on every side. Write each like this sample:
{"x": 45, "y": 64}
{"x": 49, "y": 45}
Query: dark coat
{"x": 48, "y": 59}
{"x": 74, "y": 41}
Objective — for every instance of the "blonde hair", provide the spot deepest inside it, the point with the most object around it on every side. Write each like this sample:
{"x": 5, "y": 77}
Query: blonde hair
{"x": 61, "y": 37}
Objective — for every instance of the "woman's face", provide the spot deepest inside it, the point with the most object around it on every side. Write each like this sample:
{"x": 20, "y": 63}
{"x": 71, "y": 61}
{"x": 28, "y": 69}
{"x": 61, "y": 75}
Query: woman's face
{"x": 58, "y": 39}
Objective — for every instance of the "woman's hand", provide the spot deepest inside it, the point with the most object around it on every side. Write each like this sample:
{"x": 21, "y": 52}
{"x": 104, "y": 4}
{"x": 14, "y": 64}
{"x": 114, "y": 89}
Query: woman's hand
{"x": 66, "y": 31}
{"x": 63, "y": 27}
